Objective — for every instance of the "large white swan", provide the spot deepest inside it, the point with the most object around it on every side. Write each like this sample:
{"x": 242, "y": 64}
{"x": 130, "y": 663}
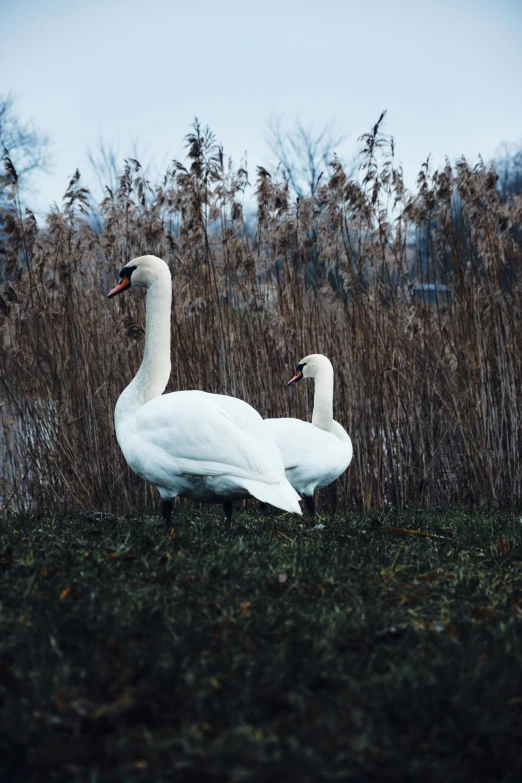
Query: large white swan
{"x": 206, "y": 447}
{"x": 314, "y": 454}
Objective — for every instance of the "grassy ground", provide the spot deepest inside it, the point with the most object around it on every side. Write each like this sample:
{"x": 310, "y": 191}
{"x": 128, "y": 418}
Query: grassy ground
{"x": 382, "y": 648}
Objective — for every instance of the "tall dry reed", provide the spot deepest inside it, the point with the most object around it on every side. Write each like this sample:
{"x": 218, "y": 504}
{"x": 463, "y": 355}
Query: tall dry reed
{"x": 430, "y": 392}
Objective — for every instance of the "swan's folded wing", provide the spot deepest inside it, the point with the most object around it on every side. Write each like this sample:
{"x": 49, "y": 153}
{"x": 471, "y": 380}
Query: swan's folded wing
{"x": 238, "y": 411}
{"x": 180, "y": 435}
{"x": 304, "y": 446}
{"x": 297, "y": 440}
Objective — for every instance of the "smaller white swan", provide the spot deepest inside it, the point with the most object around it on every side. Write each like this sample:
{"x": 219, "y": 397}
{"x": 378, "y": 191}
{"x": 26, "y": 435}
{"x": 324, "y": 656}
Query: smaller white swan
{"x": 314, "y": 454}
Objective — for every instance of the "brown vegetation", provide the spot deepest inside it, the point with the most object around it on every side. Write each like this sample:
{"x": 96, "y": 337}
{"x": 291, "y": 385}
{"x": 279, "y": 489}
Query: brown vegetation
{"x": 429, "y": 392}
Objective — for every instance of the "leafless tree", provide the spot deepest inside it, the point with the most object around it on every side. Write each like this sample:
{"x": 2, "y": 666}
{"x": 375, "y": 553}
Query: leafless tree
{"x": 303, "y": 153}
{"x": 508, "y": 164}
{"x": 26, "y": 145}
{"x": 107, "y": 164}
{"x": 105, "y": 161}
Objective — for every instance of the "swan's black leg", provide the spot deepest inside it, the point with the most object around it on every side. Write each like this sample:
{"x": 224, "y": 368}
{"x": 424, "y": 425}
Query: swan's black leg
{"x": 310, "y": 505}
{"x": 166, "y": 510}
{"x": 228, "y": 507}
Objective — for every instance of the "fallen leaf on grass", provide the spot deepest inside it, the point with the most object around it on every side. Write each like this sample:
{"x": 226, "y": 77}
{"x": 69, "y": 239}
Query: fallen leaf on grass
{"x": 501, "y": 543}
{"x": 122, "y": 704}
{"x": 431, "y": 576}
{"x": 54, "y": 646}
{"x": 282, "y": 535}
{"x": 415, "y": 532}
{"x": 71, "y": 590}
{"x": 82, "y": 707}
{"x": 483, "y": 612}
{"x": 62, "y": 699}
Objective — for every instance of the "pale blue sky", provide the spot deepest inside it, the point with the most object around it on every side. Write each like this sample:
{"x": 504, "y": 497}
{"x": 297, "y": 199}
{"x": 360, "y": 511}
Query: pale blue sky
{"x": 449, "y": 73}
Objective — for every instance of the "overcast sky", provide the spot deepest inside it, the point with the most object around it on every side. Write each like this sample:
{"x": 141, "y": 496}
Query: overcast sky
{"x": 448, "y": 72}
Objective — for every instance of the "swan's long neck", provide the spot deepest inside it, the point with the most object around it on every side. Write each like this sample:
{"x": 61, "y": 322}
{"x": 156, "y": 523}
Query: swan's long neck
{"x": 323, "y": 398}
{"x": 152, "y": 377}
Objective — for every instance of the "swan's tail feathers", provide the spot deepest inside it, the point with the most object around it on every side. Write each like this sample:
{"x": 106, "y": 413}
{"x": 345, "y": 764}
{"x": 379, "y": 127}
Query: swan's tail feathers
{"x": 279, "y": 495}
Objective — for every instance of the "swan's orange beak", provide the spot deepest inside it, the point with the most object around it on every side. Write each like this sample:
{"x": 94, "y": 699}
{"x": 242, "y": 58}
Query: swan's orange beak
{"x": 297, "y": 377}
{"x": 125, "y": 283}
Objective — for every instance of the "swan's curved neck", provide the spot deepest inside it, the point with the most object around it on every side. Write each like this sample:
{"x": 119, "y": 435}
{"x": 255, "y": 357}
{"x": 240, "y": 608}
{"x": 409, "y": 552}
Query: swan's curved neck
{"x": 152, "y": 377}
{"x": 323, "y": 399}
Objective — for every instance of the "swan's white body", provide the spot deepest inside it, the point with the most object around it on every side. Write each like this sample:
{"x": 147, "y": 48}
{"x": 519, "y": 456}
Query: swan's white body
{"x": 206, "y": 447}
{"x": 314, "y": 454}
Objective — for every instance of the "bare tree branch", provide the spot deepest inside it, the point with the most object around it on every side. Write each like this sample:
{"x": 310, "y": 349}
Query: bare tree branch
{"x": 103, "y": 160}
{"x": 303, "y": 153}
{"x": 508, "y": 163}
{"x": 26, "y": 146}
{"x": 107, "y": 161}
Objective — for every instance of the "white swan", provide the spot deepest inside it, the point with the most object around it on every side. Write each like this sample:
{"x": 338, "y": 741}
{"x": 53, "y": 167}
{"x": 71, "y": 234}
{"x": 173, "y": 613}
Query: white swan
{"x": 206, "y": 447}
{"x": 314, "y": 454}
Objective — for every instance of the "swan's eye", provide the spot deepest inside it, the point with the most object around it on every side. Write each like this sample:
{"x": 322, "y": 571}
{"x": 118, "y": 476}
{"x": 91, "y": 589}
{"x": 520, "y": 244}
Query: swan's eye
{"x": 300, "y": 366}
{"x": 127, "y": 272}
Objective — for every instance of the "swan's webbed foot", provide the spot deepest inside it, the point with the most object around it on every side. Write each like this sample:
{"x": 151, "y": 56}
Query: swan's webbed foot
{"x": 228, "y": 507}
{"x": 166, "y": 510}
{"x": 310, "y": 504}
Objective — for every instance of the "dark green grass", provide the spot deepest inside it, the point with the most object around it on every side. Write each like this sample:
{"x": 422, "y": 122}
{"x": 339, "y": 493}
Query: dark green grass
{"x": 358, "y": 653}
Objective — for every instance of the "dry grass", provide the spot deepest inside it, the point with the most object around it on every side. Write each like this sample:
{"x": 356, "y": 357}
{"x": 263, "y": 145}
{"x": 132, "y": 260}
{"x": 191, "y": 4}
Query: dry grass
{"x": 430, "y": 394}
